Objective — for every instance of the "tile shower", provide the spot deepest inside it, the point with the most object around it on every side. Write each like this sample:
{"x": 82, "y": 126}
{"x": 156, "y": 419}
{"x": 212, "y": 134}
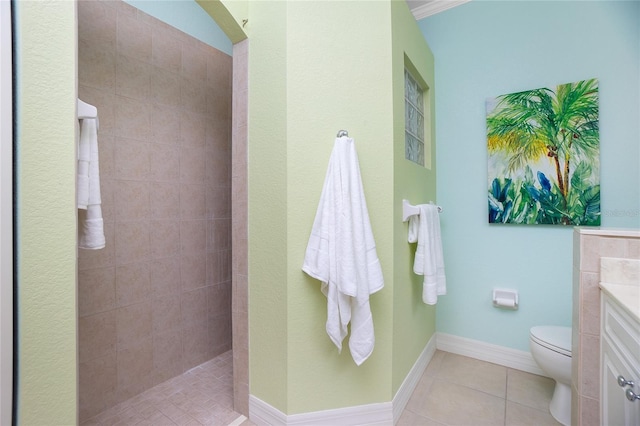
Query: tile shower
{"x": 156, "y": 301}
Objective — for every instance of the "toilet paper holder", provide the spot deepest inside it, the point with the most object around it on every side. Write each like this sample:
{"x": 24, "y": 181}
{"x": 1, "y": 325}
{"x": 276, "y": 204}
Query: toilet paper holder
{"x": 505, "y": 298}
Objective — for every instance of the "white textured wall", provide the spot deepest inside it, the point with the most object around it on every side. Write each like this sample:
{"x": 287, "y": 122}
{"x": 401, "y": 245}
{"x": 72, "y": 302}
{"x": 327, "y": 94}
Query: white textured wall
{"x": 46, "y": 215}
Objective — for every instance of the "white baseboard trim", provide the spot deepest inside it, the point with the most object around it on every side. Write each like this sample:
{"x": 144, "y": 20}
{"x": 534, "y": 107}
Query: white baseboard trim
{"x": 388, "y": 413}
{"x": 413, "y": 377}
{"x": 501, "y": 355}
{"x": 384, "y": 413}
{"x": 261, "y": 413}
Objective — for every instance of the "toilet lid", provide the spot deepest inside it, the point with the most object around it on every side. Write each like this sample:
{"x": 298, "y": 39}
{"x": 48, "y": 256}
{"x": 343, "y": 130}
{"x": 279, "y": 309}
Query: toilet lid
{"x": 556, "y": 338}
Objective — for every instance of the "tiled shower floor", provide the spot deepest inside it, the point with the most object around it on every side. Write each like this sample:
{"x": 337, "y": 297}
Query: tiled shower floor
{"x": 201, "y": 396}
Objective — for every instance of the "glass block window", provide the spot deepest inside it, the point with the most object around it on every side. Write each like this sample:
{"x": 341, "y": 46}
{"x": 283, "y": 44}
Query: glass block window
{"x": 413, "y": 119}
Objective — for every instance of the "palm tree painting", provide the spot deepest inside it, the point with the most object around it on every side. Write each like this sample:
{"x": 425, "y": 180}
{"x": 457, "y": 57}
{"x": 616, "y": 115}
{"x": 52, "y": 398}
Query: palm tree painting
{"x": 544, "y": 156}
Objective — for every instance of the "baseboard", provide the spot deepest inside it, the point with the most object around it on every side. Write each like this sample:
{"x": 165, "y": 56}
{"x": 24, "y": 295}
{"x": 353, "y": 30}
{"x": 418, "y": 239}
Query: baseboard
{"x": 388, "y": 413}
{"x": 261, "y": 413}
{"x": 410, "y": 382}
{"x": 501, "y": 355}
{"x": 385, "y": 413}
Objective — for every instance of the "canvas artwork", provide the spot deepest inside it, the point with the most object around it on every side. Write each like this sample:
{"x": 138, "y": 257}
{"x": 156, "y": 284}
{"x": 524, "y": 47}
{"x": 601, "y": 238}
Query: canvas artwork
{"x": 544, "y": 156}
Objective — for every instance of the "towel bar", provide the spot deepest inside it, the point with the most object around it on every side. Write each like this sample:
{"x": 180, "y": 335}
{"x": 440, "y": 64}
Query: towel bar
{"x": 411, "y": 210}
{"x": 86, "y": 110}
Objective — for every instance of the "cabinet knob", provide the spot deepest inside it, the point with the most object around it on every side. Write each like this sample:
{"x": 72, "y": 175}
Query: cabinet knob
{"x": 631, "y": 396}
{"x": 622, "y": 382}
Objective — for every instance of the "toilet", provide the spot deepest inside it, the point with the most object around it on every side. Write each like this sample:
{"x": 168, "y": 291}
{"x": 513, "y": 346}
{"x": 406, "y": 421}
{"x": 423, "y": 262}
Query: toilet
{"x": 551, "y": 350}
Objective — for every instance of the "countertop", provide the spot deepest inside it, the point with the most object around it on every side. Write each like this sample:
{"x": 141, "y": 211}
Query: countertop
{"x": 627, "y": 296}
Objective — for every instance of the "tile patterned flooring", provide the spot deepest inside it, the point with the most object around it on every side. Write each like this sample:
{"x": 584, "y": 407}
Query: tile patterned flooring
{"x": 457, "y": 390}
{"x": 453, "y": 391}
{"x": 201, "y": 396}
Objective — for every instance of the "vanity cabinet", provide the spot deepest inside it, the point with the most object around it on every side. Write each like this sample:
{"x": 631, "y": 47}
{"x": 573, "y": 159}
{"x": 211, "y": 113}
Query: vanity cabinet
{"x": 619, "y": 365}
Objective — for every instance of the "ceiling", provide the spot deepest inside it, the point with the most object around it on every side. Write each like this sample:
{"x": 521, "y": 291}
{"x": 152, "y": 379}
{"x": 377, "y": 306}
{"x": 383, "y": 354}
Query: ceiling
{"x": 423, "y": 8}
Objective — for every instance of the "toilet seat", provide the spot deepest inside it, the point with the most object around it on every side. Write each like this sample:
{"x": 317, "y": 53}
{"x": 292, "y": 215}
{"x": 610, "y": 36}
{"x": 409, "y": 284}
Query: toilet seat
{"x": 555, "y": 338}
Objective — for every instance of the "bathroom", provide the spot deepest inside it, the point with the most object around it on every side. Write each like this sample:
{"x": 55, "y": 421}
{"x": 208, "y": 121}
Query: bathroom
{"x": 544, "y": 284}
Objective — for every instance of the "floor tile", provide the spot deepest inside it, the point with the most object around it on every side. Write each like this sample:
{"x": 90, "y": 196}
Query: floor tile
{"x": 473, "y": 373}
{"x": 201, "y": 396}
{"x": 420, "y": 393}
{"x": 453, "y": 391}
{"x": 434, "y": 365}
{"x": 529, "y": 389}
{"x": 454, "y": 404}
{"x": 460, "y": 391}
{"x": 521, "y": 415}
{"x": 409, "y": 418}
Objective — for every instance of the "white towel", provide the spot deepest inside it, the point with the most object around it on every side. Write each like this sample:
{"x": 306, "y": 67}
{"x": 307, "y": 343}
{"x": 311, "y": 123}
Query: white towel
{"x": 341, "y": 253}
{"x": 91, "y": 229}
{"x": 84, "y": 160}
{"x": 425, "y": 230}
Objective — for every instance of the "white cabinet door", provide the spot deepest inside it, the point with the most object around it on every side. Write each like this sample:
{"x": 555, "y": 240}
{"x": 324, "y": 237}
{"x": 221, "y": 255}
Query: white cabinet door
{"x": 617, "y": 410}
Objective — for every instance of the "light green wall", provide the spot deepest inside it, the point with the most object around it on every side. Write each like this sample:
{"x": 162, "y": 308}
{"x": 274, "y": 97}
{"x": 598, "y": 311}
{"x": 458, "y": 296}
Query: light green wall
{"x": 338, "y": 77}
{"x": 46, "y": 39}
{"x": 315, "y": 68}
{"x": 413, "y": 321}
{"x": 268, "y": 210}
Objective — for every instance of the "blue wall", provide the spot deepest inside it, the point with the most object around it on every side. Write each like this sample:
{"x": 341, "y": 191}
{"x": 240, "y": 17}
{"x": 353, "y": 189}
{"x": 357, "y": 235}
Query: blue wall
{"x": 189, "y": 17}
{"x": 484, "y": 49}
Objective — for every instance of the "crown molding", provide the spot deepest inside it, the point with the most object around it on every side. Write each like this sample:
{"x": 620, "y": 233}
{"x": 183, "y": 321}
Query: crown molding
{"x": 435, "y": 6}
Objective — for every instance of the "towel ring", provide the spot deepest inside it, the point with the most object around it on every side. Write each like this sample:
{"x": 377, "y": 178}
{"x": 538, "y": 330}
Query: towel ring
{"x": 342, "y": 133}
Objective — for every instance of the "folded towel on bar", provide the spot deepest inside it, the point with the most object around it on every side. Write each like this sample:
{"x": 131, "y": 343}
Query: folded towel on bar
{"x": 91, "y": 229}
{"x": 424, "y": 229}
{"x": 84, "y": 161}
{"x": 341, "y": 253}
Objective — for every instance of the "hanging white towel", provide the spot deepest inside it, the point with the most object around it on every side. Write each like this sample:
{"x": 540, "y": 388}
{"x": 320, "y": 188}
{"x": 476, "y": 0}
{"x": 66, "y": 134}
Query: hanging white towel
{"x": 91, "y": 228}
{"x": 424, "y": 229}
{"x": 341, "y": 253}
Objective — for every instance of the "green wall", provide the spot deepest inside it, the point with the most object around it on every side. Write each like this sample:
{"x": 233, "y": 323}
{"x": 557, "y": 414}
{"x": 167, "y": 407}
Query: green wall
{"x": 413, "y": 321}
{"x": 315, "y": 68}
{"x": 338, "y": 77}
{"x": 46, "y": 39}
{"x": 268, "y": 210}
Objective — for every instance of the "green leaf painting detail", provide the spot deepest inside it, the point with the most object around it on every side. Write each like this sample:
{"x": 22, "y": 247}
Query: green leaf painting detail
{"x": 544, "y": 156}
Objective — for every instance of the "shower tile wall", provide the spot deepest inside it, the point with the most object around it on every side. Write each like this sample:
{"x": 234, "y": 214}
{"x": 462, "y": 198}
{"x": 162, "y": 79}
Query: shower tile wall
{"x": 156, "y": 301}
{"x": 239, "y": 202}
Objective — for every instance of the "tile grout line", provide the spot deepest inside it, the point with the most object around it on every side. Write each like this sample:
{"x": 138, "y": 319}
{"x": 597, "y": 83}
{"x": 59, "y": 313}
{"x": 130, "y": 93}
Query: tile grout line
{"x": 238, "y": 421}
{"x": 506, "y": 397}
